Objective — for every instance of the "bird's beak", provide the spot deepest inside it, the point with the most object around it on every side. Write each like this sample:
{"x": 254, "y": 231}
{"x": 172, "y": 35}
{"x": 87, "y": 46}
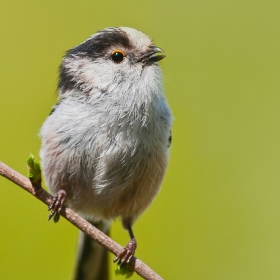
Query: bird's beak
{"x": 154, "y": 54}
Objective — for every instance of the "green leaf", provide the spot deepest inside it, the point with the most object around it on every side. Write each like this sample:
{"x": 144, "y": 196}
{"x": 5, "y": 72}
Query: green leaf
{"x": 124, "y": 270}
{"x": 34, "y": 169}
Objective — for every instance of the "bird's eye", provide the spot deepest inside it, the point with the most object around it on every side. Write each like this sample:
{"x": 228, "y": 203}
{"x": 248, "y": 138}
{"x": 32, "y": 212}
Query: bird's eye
{"x": 117, "y": 56}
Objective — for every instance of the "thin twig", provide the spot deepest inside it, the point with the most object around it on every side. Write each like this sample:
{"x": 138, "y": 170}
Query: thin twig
{"x": 141, "y": 268}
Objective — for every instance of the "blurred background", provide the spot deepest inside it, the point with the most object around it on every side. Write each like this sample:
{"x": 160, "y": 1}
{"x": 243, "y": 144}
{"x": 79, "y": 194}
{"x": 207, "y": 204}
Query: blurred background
{"x": 218, "y": 213}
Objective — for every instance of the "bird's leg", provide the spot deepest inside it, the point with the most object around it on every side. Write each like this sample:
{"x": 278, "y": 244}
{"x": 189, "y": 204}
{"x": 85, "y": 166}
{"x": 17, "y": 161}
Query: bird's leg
{"x": 126, "y": 254}
{"x": 56, "y": 205}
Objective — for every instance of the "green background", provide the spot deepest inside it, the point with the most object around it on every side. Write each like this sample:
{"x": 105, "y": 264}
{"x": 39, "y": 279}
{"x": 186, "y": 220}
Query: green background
{"x": 218, "y": 213}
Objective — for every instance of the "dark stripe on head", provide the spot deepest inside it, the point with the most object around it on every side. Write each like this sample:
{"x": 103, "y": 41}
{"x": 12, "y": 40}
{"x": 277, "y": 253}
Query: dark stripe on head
{"x": 98, "y": 45}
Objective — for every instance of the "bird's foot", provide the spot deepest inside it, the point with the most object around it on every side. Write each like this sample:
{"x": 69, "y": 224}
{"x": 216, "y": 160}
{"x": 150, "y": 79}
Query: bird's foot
{"x": 126, "y": 254}
{"x": 57, "y": 205}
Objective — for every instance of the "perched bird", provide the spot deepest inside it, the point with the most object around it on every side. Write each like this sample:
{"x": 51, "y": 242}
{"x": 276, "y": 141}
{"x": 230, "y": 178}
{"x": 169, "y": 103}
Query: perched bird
{"x": 105, "y": 144}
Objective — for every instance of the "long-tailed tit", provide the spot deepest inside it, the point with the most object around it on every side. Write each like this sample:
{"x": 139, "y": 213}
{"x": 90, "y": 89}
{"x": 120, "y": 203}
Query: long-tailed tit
{"x": 105, "y": 144}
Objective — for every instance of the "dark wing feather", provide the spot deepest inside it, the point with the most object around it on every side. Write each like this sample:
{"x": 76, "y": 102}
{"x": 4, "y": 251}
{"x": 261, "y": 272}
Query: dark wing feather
{"x": 169, "y": 139}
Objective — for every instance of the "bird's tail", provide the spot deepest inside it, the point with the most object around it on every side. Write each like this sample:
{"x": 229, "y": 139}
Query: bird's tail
{"x": 92, "y": 258}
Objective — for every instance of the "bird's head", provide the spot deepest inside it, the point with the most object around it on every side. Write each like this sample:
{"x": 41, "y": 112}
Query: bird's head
{"x": 111, "y": 59}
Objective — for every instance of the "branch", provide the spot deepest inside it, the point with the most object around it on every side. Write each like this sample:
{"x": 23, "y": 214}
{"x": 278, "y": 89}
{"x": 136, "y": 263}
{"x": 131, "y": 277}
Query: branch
{"x": 141, "y": 268}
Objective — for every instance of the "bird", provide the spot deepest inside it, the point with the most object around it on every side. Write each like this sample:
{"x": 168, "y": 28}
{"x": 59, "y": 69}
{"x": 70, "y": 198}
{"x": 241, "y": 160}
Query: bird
{"x": 105, "y": 145}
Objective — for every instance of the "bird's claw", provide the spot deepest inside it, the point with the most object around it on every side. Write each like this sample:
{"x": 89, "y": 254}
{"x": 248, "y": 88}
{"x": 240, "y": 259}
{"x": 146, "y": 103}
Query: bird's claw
{"x": 126, "y": 254}
{"x": 57, "y": 205}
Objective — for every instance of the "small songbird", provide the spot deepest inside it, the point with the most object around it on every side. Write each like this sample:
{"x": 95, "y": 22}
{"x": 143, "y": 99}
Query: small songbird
{"x": 105, "y": 144}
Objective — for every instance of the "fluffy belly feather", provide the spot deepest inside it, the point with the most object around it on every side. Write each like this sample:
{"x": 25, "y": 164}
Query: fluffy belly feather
{"x": 106, "y": 179}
